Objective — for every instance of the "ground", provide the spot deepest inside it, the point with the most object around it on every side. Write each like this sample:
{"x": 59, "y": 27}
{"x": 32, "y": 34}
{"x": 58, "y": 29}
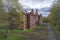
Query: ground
{"x": 41, "y": 32}
{"x": 38, "y": 33}
{"x": 51, "y": 33}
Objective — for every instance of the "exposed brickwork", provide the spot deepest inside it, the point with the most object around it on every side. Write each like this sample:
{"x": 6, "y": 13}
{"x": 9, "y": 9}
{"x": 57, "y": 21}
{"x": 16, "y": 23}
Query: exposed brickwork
{"x": 31, "y": 19}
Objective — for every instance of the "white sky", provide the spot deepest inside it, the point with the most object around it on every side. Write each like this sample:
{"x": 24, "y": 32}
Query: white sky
{"x": 36, "y": 4}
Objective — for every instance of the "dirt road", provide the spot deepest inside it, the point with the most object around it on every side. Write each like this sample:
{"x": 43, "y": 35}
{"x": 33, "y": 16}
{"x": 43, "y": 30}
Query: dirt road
{"x": 51, "y": 34}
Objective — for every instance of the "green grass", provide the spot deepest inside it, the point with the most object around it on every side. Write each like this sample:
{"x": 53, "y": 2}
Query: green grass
{"x": 21, "y": 31}
{"x": 15, "y": 36}
{"x": 37, "y": 33}
{"x": 2, "y": 34}
{"x": 2, "y": 31}
{"x": 41, "y": 27}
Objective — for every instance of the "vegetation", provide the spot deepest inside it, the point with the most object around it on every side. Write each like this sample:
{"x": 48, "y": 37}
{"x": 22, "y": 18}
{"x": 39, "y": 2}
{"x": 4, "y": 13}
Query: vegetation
{"x": 10, "y": 10}
{"x": 11, "y": 17}
{"x": 54, "y": 17}
{"x": 38, "y": 33}
{"x": 45, "y": 20}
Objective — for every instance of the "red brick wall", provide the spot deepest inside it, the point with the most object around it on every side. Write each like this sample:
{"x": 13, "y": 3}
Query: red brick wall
{"x": 40, "y": 18}
{"x": 25, "y": 22}
{"x": 31, "y": 19}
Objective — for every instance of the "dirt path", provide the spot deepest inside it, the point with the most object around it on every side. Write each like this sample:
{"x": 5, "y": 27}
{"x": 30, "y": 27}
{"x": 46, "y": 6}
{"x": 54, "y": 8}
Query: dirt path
{"x": 51, "y": 34}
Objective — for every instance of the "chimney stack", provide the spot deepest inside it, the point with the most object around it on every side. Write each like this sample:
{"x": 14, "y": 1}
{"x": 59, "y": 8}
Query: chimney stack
{"x": 36, "y": 12}
{"x": 32, "y": 12}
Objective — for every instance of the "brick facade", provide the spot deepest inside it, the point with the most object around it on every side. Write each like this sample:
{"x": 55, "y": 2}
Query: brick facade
{"x": 31, "y": 19}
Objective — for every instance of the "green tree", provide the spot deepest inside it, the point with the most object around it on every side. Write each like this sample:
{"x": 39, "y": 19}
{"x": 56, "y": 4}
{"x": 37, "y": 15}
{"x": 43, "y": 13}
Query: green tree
{"x": 8, "y": 8}
{"x": 3, "y": 15}
{"x": 16, "y": 15}
{"x": 45, "y": 20}
{"x": 54, "y": 16}
{"x": 16, "y": 19}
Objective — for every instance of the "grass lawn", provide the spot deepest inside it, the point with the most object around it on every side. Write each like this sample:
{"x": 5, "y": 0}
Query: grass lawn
{"x": 37, "y": 33}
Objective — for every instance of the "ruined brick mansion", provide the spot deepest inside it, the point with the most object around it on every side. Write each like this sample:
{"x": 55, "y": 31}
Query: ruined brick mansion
{"x": 32, "y": 19}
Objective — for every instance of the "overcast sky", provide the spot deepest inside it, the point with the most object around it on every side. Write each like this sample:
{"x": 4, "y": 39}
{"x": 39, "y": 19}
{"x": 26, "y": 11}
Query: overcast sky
{"x": 36, "y": 3}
